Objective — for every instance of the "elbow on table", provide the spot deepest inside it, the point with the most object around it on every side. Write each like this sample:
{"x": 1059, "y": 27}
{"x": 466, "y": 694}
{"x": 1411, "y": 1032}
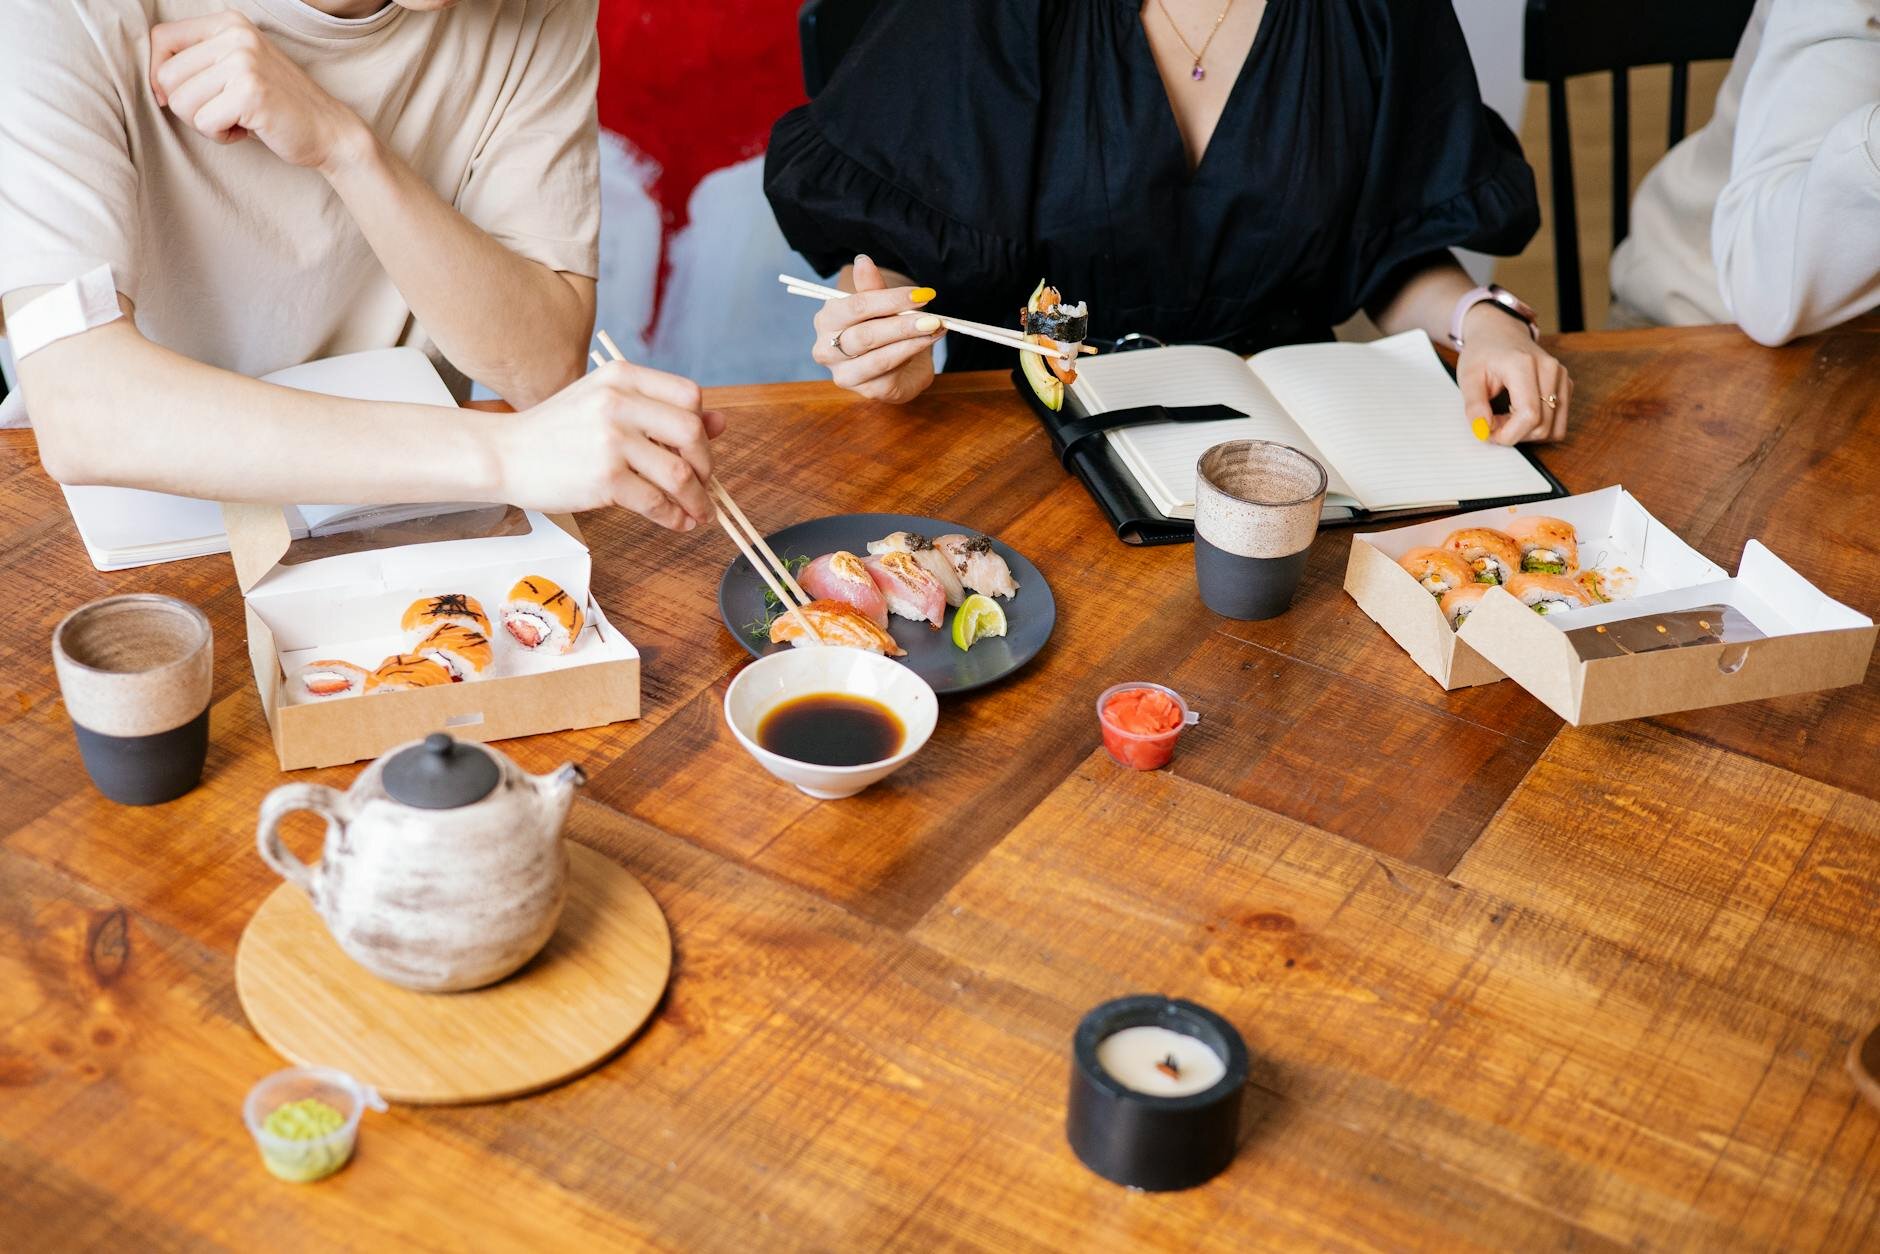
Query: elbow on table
{"x": 1769, "y": 320}
{"x": 527, "y": 383}
{"x": 72, "y": 447}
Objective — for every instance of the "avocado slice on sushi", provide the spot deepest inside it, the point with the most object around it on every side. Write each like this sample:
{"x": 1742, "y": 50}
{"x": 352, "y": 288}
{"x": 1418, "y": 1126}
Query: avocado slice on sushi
{"x": 1049, "y": 388}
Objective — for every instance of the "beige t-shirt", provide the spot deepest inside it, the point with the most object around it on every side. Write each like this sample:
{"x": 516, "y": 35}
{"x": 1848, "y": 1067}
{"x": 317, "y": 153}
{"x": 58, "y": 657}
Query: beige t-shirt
{"x": 232, "y": 256}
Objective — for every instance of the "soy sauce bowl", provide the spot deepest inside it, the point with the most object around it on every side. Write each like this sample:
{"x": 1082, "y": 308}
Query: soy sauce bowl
{"x": 770, "y": 681}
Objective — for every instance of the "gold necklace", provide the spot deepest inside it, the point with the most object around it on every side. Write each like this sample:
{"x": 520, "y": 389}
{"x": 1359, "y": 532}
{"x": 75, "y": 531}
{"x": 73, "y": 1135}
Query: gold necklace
{"x": 1197, "y": 53}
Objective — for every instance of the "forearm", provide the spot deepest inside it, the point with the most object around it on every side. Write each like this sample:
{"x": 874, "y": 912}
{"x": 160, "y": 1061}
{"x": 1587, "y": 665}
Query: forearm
{"x": 111, "y": 408}
{"x": 1426, "y": 299}
{"x": 513, "y": 324}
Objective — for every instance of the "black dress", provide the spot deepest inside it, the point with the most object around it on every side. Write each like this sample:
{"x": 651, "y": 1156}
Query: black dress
{"x": 979, "y": 145}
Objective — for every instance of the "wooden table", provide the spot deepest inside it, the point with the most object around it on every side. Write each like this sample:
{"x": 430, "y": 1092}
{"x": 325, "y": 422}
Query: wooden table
{"x": 1507, "y": 984}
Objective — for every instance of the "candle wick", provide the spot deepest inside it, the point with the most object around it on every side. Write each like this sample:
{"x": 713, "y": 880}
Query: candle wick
{"x": 1170, "y": 1068}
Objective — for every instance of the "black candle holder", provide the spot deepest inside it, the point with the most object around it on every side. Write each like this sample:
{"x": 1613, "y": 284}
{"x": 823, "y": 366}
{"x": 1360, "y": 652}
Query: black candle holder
{"x": 1146, "y": 1140}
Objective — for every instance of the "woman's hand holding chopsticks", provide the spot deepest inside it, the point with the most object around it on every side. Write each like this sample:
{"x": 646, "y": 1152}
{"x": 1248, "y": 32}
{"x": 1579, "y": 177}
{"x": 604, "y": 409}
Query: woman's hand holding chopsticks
{"x": 870, "y": 347}
{"x": 621, "y": 435}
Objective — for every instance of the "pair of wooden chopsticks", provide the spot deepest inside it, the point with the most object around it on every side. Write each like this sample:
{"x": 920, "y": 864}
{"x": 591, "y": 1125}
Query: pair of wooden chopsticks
{"x": 963, "y": 326}
{"x": 777, "y": 576}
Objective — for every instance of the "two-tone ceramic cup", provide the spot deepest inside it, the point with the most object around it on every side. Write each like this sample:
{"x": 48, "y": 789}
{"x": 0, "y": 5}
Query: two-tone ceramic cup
{"x": 1256, "y": 510}
{"x": 137, "y": 673}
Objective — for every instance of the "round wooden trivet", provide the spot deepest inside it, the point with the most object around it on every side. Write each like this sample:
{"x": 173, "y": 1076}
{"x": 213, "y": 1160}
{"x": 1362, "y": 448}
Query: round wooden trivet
{"x": 577, "y": 1002}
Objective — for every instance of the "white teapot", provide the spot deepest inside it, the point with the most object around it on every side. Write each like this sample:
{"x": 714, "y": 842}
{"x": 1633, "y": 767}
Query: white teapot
{"x": 443, "y": 868}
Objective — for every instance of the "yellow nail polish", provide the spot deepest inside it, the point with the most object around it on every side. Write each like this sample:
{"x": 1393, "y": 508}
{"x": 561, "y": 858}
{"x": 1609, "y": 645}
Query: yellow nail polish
{"x": 927, "y": 322}
{"x": 1480, "y": 427}
{"x": 921, "y": 295}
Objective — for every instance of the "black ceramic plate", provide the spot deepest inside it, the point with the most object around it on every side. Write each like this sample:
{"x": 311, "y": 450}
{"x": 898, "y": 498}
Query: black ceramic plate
{"x": 1029, "y": 616}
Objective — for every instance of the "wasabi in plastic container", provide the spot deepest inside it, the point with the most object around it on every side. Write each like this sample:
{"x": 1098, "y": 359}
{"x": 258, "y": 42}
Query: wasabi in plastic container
{"x": 305, "y": 1120}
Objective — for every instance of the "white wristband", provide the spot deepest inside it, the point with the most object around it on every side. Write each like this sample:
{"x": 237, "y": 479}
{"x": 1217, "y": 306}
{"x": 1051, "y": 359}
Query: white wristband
{"x": 71, "y": 308}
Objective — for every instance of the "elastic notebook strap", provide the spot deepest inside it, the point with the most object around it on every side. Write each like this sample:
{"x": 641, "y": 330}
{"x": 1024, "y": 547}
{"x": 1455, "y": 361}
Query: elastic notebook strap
{"x": 1074, "y": 434}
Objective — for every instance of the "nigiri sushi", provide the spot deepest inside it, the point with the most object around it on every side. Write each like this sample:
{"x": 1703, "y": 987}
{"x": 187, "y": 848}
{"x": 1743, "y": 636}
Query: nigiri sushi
{"x": 540, "y": 617}
{"x": 840, "y": 576}
{"x": 1548, "y": 545}
{"x": 330, "y": 677}
{"x": 838, "y": 623}
{"x": 1549, "y": 594}
{"x": 910, "y": 590}
{"x": 466, "y": 654}
{"x": 981, "y": 569}
{"x": 937, "y": 564}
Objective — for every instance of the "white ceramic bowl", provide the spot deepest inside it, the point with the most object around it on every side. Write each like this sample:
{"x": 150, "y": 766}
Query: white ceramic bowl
{"x": 771, "y": 680}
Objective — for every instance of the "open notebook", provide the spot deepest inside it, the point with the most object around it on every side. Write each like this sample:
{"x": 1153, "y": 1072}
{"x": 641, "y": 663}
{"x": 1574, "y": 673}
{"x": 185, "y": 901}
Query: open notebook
{"x": 1383, "y": 418}
{"x": 125, "y": 527}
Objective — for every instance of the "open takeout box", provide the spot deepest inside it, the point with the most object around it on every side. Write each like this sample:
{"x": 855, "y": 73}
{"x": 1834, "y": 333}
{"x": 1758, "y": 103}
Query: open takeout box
{"x": 1808, "y": 640}
{"x": 342, "y": 594}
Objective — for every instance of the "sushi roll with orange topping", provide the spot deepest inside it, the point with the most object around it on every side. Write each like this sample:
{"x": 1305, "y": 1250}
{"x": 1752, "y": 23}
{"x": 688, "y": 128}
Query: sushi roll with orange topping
{"x": 1438, "y": 570}
{"x": 1492, "y": 556}
{"x": 407, "y": 670}
{"x": 540, "y": 617}
{"x": 466, "y": 654}
{"x": 1548, "y": 545}
{"x": 1458, "y": 603}
{"x": 330, "y": 677}
{"x": 427, "y": 614}
{"x": 1549, "y": 594}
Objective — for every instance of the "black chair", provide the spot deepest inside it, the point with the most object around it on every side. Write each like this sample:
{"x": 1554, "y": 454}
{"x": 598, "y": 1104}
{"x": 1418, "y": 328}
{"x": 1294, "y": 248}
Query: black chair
{"x": 1565, "y": 38}
{"x": 826, "y": 28}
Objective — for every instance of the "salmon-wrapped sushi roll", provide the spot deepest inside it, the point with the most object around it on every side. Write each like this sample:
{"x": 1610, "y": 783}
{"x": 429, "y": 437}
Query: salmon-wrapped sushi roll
{"x": 1549, "y": 594}
{"x": 1459, "y": 603}
{"x": 466, "y": 654}
{"x": 1548, "y": 545}
{"x": 407, "y": 670}
{"x": 1492, "y": 556}
{"x": 330, "y": 677}
{"x": 540, "y": 617}
{"x": 427, "y": 614}
{"x": 1438, "y": 570}
{"x": 838, "y": 623}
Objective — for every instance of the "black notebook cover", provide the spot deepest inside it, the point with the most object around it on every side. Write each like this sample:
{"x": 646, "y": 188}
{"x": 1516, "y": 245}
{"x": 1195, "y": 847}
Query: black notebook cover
{"x": 1138, "y": 521}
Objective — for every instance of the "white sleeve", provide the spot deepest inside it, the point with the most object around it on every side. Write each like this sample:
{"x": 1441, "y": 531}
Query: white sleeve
{"x": 1796, "y": 235}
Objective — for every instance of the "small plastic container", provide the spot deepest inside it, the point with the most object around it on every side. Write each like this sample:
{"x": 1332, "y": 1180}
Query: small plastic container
{"x": 314, "y": 1158}
{"x": 1134, "y": 750}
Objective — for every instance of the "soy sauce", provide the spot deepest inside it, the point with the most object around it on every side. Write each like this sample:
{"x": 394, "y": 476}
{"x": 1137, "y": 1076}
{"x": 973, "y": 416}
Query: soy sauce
{"x": 831, "y": 729}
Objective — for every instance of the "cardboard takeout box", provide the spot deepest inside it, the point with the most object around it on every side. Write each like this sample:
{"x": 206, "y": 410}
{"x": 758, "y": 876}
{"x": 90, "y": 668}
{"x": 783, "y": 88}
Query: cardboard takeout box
{"x": 1808, "y": 640}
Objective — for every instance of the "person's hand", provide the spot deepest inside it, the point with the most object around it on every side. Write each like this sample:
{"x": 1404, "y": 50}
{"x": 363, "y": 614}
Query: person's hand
{"x": 883, "y": 354}
{"x": 227, "y": 80}
{"x": 622, "y": 435}
{"x": 1497, "y": 352}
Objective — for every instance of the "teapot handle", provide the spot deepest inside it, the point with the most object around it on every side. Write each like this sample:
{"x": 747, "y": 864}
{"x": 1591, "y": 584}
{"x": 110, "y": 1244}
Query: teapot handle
{"x": 326, "y": 802}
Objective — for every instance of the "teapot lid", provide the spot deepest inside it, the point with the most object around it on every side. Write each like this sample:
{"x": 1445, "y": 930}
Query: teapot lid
{"x": 440, "y": 774}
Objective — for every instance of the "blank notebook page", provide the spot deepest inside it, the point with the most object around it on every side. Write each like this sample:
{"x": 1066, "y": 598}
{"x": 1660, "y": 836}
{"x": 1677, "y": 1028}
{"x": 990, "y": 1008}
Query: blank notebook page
{"x": 1391, "y": 417}
{"x": 1165, "y": 453}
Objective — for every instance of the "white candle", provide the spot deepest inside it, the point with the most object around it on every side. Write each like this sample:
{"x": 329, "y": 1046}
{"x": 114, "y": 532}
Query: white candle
{"x": 1159, "y": 1061}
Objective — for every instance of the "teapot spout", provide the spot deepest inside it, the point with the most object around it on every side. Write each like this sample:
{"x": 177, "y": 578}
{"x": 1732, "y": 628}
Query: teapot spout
{"x": 557, "y": 787}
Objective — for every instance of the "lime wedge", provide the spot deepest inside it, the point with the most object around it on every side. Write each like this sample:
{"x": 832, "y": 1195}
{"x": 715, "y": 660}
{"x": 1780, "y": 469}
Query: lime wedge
{"x": 979, "y": 616}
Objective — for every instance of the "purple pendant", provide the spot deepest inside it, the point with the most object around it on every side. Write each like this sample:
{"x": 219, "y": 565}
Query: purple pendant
{"x": 1198, "y": 74}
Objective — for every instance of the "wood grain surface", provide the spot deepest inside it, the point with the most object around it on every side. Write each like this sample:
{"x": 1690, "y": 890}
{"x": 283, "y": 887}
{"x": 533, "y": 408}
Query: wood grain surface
{"x": 1507, "y": 985}
{"x": 569, "y": 1008}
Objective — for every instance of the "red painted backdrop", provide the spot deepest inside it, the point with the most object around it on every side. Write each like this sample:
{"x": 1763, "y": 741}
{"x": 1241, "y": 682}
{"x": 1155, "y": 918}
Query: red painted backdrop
{"x": 693, "y": 88}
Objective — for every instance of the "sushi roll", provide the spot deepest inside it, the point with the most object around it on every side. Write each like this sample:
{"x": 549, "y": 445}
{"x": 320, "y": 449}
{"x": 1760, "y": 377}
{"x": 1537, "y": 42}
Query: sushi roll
{"x": 466, "y": 654}
{"x": 1049, "y": 322}
{"x": 840, "y": 576}
{"x": 1460, "y": 601}
{"x": 1438, "y": 570}
{"x": 1549, "y": 594}
{"x": 937, "y": 564}
{"x": 330, "y": 677}
{"x": 540, "y": 617}
{"x": 1492, "y": 556}
{"x": 427, "y": 614}
{"x": 406, "y": 670}
{"x": 981, "y": 569}
{"x": 910, "y": 590}
{"x": 1548, "y": 545}
{"x": 838, "y": 623}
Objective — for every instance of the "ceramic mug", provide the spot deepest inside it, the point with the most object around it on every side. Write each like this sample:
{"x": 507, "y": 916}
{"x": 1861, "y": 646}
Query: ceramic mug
{"x": 137, "y": 673}
{"x": 1256, "y": 510}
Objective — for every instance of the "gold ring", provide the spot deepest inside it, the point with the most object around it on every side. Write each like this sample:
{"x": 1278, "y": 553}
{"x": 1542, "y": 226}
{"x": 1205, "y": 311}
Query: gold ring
{"x": 1550, "y": 400}
{"x": 835, "y": 342}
